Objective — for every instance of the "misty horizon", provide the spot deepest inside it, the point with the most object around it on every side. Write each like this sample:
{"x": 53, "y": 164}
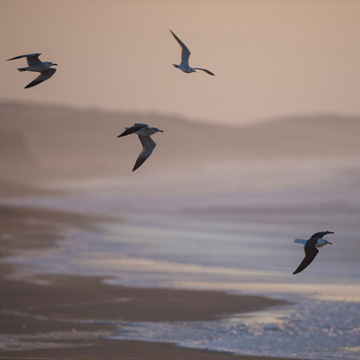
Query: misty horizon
{"x": 271, "y": 58}
{"x": 174, "y": 115}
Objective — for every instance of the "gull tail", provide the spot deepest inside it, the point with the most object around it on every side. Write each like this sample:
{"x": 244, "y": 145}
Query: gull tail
{"x": 300, "y": 241}
{"x": 22, "y": 69}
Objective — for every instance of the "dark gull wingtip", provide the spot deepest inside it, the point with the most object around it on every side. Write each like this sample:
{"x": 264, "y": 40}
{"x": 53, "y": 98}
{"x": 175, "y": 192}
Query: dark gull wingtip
{"x": 28, "y": 86}
{"x": 136, "y": 166}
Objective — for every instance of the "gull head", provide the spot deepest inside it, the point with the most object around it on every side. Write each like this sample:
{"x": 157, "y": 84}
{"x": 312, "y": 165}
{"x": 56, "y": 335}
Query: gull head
{"x": 155, "y": 130}
{"x": 49, "y": 63}
{"x": 323, "y": 242}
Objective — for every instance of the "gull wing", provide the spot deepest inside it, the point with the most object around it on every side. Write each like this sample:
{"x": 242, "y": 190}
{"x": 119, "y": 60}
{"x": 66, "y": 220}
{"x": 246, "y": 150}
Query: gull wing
{"x": 148, "y": 147}
{"x": 32, "y": 59}
{"x": 319, "y": 235}
{"x": 136, "y": 127}
{"x": 185, "y": 53}
{"x": 207, "y": 71}
{"x": 310, "y": 253}
{"x": 47, "y": 74}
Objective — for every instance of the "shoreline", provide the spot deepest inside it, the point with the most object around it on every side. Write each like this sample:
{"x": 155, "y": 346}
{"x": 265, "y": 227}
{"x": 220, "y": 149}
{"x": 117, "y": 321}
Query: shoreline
{"x": 128, "y": 349}
{"x": 59, "y": 316}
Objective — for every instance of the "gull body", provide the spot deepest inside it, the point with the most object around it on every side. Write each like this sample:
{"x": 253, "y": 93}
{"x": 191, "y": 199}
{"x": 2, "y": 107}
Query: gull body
{"x": 144, "y": 132}
{"x": 185, "y": 54}
{"x": 36, "y": 65}
{"x": 320, "y": 242}
{"x": 310, "y": 248}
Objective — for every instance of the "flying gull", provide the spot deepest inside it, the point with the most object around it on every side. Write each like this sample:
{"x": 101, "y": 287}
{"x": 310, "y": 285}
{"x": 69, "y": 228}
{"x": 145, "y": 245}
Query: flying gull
{"x": 185, "y": 54}
{"x": 35, "y": 64}
{"x": 310, "y": 248}
{"x": 144, "y": 132}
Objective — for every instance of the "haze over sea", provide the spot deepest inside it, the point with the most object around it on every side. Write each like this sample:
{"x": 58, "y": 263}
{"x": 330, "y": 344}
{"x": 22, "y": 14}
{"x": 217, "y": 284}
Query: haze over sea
{"x": 236, "y": 240}
{"x": 209, "y": 224}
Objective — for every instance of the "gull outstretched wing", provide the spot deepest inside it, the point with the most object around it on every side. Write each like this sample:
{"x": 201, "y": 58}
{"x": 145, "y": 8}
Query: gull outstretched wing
{"x": 185, "y": 53}
{"x": 310, "y": 253}
{"x": 32, "y": 59}
{"x": 136, "y": 127}
{"x": 207, "y": 71}
{"x": 47, "y": 74}
{"x": 319, "y": 235}
{"x": 148, "y": 147}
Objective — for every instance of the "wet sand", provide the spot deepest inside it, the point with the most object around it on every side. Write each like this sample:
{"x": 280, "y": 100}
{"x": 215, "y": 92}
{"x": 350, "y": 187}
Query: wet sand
{"x": 58, "y": 317}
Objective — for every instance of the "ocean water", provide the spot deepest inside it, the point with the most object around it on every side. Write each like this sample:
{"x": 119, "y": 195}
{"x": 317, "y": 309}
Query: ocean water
{"x": 180, "y": 251}
{"x": 310, "y": 329}
{"x": 235, "y": 241}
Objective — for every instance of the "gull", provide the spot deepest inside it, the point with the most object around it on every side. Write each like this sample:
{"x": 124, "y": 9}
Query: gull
{"x": 185, "y": 54}
{"x": 310, "y": 248}
{"x": 144, "y": 132}
{"x": 35, "y": 64}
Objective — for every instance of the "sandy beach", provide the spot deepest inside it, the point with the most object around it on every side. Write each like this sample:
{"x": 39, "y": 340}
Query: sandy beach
{"x": 59, "y": 317}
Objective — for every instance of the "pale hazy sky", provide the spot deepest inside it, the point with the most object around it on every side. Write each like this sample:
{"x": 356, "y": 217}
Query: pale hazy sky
{"x": 270, "y": 57}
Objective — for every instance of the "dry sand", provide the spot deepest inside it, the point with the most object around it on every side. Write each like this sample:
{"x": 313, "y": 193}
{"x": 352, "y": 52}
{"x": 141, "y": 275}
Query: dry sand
{"x": 47, "y": 316}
